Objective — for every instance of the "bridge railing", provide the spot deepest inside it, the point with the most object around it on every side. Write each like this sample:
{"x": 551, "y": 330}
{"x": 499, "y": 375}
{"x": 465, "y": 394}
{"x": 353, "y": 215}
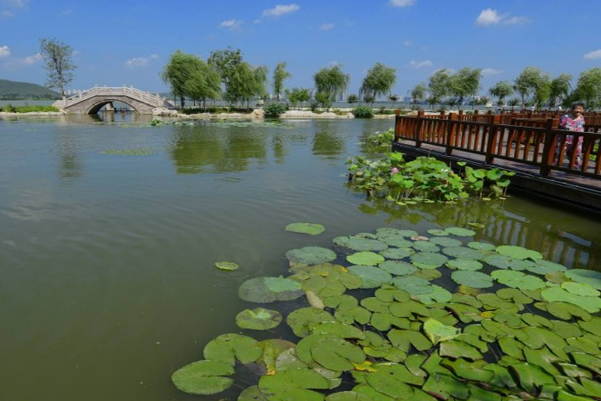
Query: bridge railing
{"x": 114, "y": 91}
{"x": 528, "y": 143}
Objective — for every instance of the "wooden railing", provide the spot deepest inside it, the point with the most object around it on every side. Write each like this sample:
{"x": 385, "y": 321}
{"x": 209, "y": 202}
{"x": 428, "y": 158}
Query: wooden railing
{"x": 536, "y": 142}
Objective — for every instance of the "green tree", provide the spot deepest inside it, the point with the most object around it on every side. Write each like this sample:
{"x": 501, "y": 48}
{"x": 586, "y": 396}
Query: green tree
{"x": 394, "y": 99}
{"x": 298, "y": 95}
{"x": 225, "y": 62}
{"x": 501, "y": 90}
{"x": 588, "y": 87}
{"x": 203, "y": 82}
{"x": 329, "y": 82}
{"x": 369, "y": 99}
{"x": 528, "y": 82}
{"x": 178, "y": 71}
{"x": 514, "y": 102}
{"x": 440, "y": 84}
{"x": 464, "y": 83}
{"x": 246, "y": 82}
{"x": 560, "y": 88}
{"x": 280, "y": 74}
{"x": 379, "y": 81}
{"x": 542, "y": 92}
{"x": 58, "y": 63}
{"x": 352, "y": 99}
{"x": 418, "y": 93}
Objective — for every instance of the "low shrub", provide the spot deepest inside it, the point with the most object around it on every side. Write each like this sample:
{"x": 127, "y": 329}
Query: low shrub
{"x": 363, "y": 112}
{"x": 33, "y": 109}
{"x": 274, "y": 110}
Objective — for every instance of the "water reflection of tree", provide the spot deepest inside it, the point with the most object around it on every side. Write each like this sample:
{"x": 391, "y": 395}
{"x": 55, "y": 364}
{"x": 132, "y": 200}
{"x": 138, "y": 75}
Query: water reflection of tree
{"x": 69, "y": 162}
{"x": 328, "y": 143}
{"x": 198, "y": 149}
{"x": 556, "y": 239}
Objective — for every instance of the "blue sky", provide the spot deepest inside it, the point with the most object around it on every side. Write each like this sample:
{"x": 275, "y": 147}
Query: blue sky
{"x": 128, "y": 41}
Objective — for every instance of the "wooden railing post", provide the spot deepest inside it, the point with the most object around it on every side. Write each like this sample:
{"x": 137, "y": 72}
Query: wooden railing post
{"x": 450, "y": 134}
{"x": 397, "y": 125}
{"x": 493, "y": 133}
{"x": 418, "y": 129}
{"x": 548, "y": 148}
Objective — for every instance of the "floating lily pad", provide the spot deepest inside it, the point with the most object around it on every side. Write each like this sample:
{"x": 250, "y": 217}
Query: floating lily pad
{"x": 371, "y": 276}
{"x": 481, "y": 246}
{"x": 393, "y": 380}
{"x": 270, "y": 289}
{"x": 435, "y": 231}
{"x": 518, "y": 252}
{"x": 459, "y": 349}
{"x": 464, "y": 264}
{"x": 397, "y": 253}
{"x": 305, "y": 228}
{"x": 438, "y": 332}
{"x": 272, "y": 349}
{"x": 357, "y": 243}
{"x": 543, "y": 267}
{"x": 460, "y": 232}
{"x": 517, "y": 279}
{"x": 294, "y": 384}
{"x": 229, "y": 266}
{"x": 428, "y": 260}
{"x": 463, "y": 253}
{"x": 413, "y": 285}
{"x": 365, "y": 258}
{"x": 425, "y": 246}
{"x": 580, "y": 289}
{"x": 204, "y": 377}
{"x": 590, "y": 277}
{"x": 310, "y": 255}
{"x": 499, "y": 261}
{"x": 446, "y": 387}
{"x": 232, "y": 346}
{"x": 348, "y": 396}
{"x": 446, "y": 242}
{"x": 337, "y": 355}
{"x": 472, "y": 279}
{"x": 302, "y": 320}
{"x": 258, "y": 319}
{"x": 589, "y": 304}
{"x": 397, "y": 268}
{"x": 388, "y": 231}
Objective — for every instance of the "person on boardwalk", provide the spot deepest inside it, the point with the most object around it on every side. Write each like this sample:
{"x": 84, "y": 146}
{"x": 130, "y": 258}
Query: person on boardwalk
{"x": 572, "y": 121}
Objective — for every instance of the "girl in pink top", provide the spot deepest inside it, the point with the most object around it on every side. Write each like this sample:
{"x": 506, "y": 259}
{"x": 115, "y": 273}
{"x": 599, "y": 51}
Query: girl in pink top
{"x": 573, "y": 121}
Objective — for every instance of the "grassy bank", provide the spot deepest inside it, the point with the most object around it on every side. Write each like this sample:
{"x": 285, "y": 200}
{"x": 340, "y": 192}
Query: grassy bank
{"x": 27, "y": 109}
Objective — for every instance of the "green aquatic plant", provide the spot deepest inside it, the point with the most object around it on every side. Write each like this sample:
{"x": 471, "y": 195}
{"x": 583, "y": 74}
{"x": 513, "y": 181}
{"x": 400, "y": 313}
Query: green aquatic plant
{"x": 227, "y": 266}
{"x": 305, "y": 228}
{"x": 512, "y": 327}
{"x": 129, "y": 152}
{"x": 380, "y": 141}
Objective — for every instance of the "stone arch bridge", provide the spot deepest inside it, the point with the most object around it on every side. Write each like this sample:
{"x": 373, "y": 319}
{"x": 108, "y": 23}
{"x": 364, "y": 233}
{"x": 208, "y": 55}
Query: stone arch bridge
{"x": 92, "y": 100}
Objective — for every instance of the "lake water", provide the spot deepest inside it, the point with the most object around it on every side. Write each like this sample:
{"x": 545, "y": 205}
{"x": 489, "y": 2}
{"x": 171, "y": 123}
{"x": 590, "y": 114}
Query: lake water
{"x": 108, "y": 282}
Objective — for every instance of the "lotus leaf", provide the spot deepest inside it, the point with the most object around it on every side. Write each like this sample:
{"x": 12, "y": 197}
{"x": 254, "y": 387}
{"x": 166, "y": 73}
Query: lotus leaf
{"x": 342, "y": 302}
{"x": 375, "y": 305}
{"x": 357, "y": 243}
{"x": 592, "y": 325}
{"x": 543, "y": 267}
{"x": 556, "y": 277}
{"x": 365, "y": 258}
{"x": 571, "y": 370}
{"x": 270, "y": 289}
{"x": 203, "y": 377}
{"x": 438, "y": 332}
{"x": 402, "y": 339}
{"x": 305, "y": 228}
{"x": 427, "y": 274}
{"x": 272, "y": 349}
{"x": 580, "y": 289}
{"x": 397, "y": 268}
{"x": 413, "y": 285}
{"x": 393, "y": 380}
{"x": 371, "y": 276}
{"x": 369, "y": 391}
{"x": 581, "y": 344}
{"x": 425, "y": 246}
{"x": 229, "y": 347}
{"x": 530, "y": 377}
{"x": 339, "y": 329}
{"x": 388, "y": 231}
{"x": 252, "y": 393}
{"x": 510, "y": 319}
{"x": 459, "y": 349}
{"x": 586, "y": 361}
{"x": 414, "y": 363}
{"x": 348, "y": 396}
{"x": 408, "y": 309}
{"x": 397, "y": 253}
{"x": 294, "y": 384}
{"x": 469, "y": 370}
{"x": 228, "y": 266}
{"x": 479, "y": 394}
{"x": 536, "y": 320}
{"x": 499, "y": 261}
{"x": 337, "y": 354}
{"x": 492, "y": 301}
{"x": 565, "y": 396}
{"x": 258, "y": 319}
{"x": 518, "y": 252}
{"x": 397, "y": 241}
{"x": 464, "y": 264}
{"x": 428, "y": 260}
{"x": 465, "y": 313}
{"x": 521, "y": 265}
{"x": 460, "y": 232}
{"x": 481, "y": 246}
{"x": 392, "y": 294}
{"x": 467, "y": 300}
{"x": 472, "y": 279}
{"x": 514, "y": 295}
{"x": 518, "y": 280}
{"x": 446, "y": 387}
{"x": 566, "y": 311}
{"x": 589, "y": 304}
{"x": 358, "y": 314}
{"x": 310, "y": 255}
{"x": 463, "y": 253}
{"x": 446, "y": 242}
{"x": 302, "y": 320}
{"x": 434, "y": 231}
{"x": 438, "y": 295}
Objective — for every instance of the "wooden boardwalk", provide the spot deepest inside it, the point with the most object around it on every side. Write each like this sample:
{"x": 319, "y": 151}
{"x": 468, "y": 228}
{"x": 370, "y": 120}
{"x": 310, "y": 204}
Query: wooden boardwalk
{"x": 524, "y": 145}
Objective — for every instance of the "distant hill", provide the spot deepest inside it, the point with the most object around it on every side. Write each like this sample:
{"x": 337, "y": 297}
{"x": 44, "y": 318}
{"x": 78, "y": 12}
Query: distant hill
{"x": 11, "y": 90}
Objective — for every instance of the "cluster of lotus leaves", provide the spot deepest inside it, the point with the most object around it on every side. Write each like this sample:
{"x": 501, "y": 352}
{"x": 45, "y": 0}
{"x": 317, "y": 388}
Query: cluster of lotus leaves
{"x": 395, "y": 315}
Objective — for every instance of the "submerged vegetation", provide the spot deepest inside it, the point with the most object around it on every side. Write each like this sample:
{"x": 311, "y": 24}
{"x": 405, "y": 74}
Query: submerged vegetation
{"x": 401, "y": 315}
{"x": 424, "y": 179}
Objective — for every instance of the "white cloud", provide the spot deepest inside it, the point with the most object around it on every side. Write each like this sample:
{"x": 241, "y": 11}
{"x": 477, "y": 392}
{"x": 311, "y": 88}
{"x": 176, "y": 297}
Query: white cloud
{"x": 326, "y": 27}
{"x": 280, "y": 10}
{"x": 487, "y": 72}
{"x": 7, "y": 14}
{"x": 421, "y": 64}
{"x": 492, "y": 17}
{"x": 257, "y": 21}
{"x": 408, "y": 43}
{"x": 596, "y": 54}
{"x": 231, "y": 24}
{"x": 402, "y": 3}
{"x": 4, "y": 51}
{"x": 16, "y": 63}
{"x": 66, "y": 12}
{"x": 138, "y": 62}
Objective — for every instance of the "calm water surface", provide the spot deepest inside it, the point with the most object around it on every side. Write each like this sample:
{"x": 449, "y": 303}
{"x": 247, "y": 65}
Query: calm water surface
{"x": 106, "y": 261}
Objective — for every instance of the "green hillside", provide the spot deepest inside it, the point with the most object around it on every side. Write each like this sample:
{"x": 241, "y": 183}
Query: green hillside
{"x": 11, "y": 90}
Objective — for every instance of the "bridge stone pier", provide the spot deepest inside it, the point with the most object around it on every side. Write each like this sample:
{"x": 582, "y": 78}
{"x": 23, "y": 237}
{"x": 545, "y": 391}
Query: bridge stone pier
{"x": 92, "y": 100}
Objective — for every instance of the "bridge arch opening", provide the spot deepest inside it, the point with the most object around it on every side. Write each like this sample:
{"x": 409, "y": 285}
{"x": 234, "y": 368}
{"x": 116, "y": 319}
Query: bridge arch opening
{"x": 111, "y": 105}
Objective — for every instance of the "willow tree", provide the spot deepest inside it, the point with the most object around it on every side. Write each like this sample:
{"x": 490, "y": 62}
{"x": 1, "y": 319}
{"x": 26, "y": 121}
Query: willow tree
{"x": 203, "y": 83}
{"x": 418, "y": 93}
{"x": 464, "y": 83}
{"x": 329, "y": 82}
{"x": 588, "y": 87}
{"x": 58, "y": 63}
{"x": 501, "y": 90}
{"x": 440, "y": 85}
{"x": 178, "y": 71}
{"x": 378, "y": 82}
{"x": 246, "y": 82}
{"x": 528, "y": 83}
{"x": 280, "y": 74}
